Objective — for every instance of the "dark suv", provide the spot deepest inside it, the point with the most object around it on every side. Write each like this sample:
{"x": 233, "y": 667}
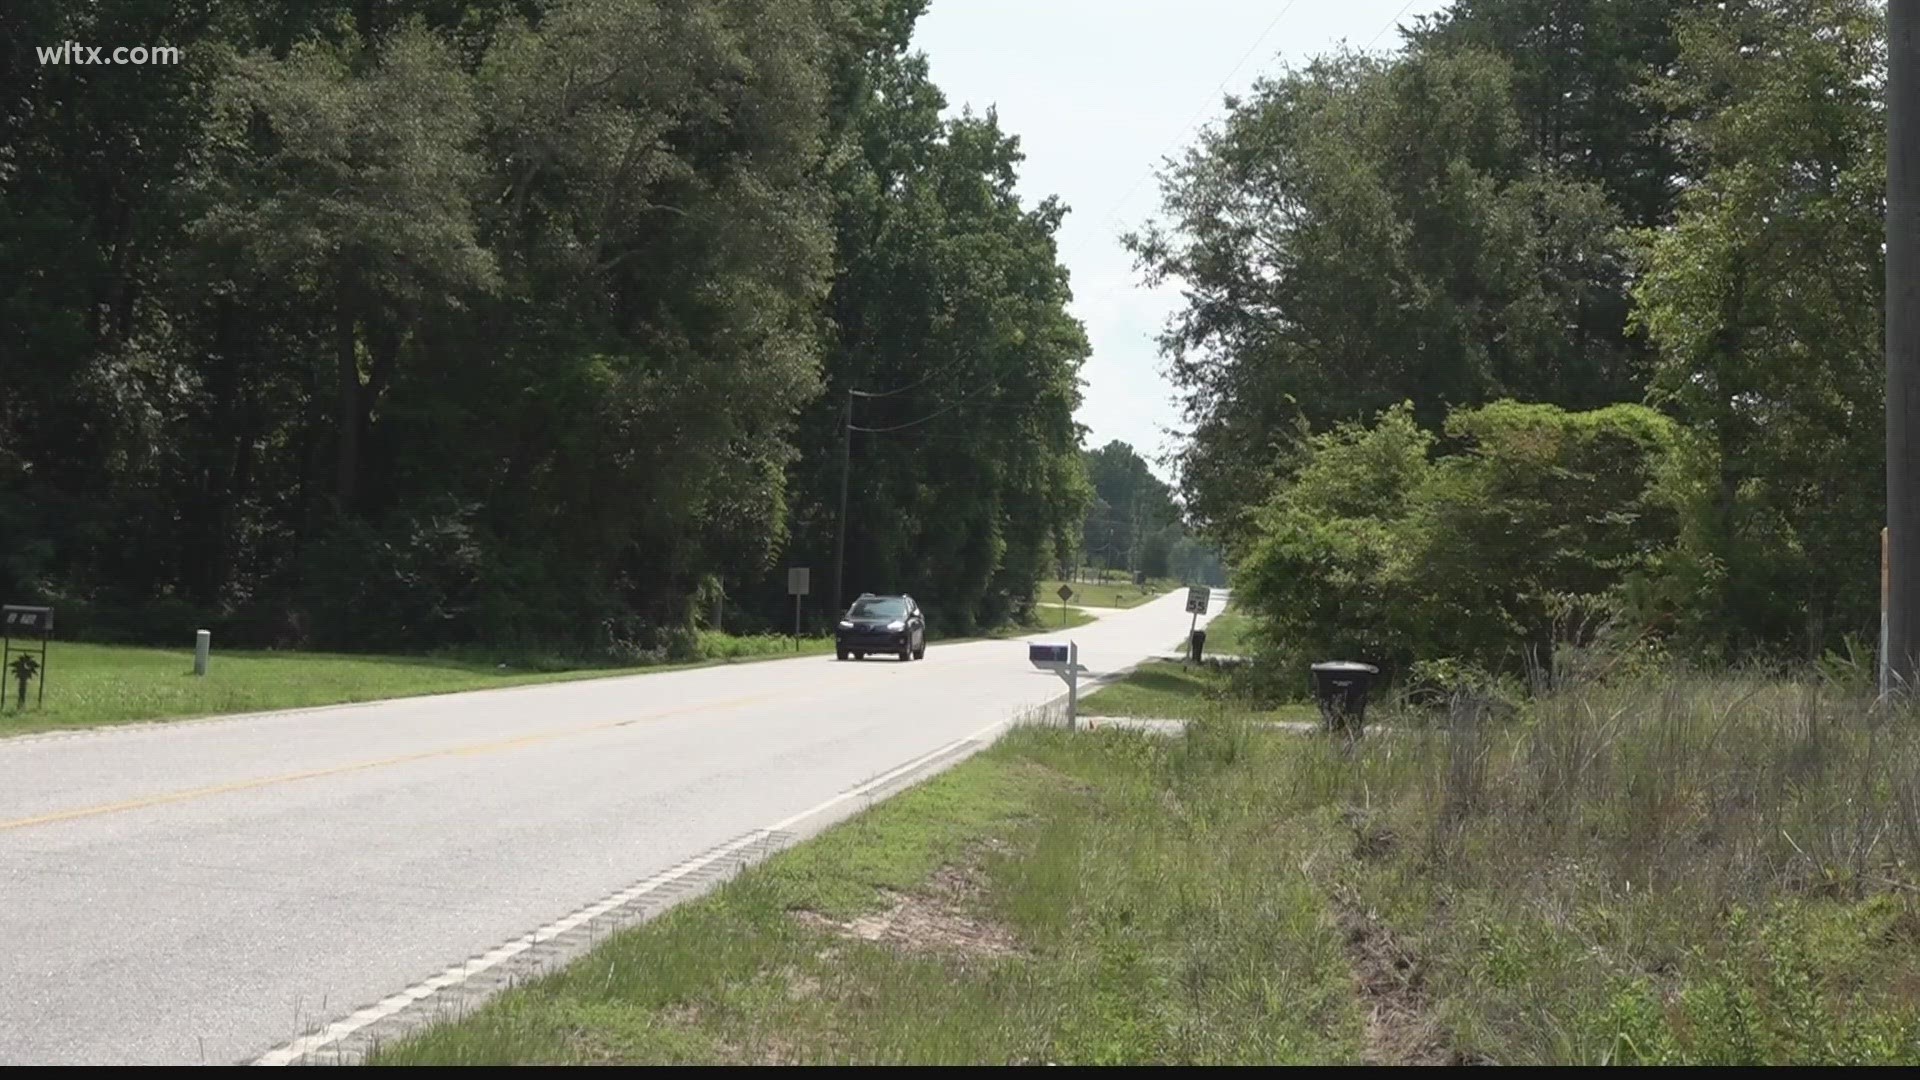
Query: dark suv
{"x": 877, "y": 624}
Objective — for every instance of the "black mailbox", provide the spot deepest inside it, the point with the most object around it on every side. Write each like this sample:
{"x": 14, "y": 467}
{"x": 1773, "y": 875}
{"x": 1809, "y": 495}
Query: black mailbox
{"x": 1340, "y": 688}
{"x": 1197, "y": 644}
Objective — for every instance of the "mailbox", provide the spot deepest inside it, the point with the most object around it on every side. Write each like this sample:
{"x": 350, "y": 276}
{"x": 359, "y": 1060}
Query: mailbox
{"x": 1048, "y": 656}
{"x": 1340, "y": 688}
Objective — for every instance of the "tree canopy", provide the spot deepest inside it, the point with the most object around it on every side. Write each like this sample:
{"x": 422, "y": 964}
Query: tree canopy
{"x": 1574, "y": 204}
{"x": 516, "y": 322}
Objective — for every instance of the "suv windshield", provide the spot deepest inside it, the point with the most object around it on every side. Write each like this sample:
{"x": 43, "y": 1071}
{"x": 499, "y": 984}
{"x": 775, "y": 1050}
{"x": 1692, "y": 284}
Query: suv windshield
{"x": 881, "y": 607}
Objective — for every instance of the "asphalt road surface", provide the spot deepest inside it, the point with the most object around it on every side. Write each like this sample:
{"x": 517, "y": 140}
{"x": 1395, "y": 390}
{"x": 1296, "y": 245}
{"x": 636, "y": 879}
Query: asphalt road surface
{"x": 208, "y": 891}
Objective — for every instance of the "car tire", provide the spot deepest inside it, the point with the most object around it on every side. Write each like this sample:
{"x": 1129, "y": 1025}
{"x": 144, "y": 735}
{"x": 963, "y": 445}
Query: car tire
{"x": 841, "y": 654}
{"x": 906, "y": 654}
{"x": 921, "y": 652}
{"x": 859, "y": 656}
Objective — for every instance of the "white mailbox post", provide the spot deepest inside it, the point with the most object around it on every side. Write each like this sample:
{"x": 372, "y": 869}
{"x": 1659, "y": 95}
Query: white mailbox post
{"x": 1064, "y": 661}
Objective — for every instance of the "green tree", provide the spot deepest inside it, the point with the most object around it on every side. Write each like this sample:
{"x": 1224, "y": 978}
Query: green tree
{"x": 445, "y": 322}
{"x": 1132, "y": 512}
{"x": 1580, "y": 69}
{"x": 1763, "y": 300}
{"x": 1496, "y": 553}
{"x": 355, "y": 186}
{"x": 1368, "y": 230}
{"x": 948, "y": 311}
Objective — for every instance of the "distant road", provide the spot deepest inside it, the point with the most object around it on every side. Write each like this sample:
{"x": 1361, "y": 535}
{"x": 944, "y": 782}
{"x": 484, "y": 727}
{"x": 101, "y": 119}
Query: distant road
{"x": 210, "y": 890}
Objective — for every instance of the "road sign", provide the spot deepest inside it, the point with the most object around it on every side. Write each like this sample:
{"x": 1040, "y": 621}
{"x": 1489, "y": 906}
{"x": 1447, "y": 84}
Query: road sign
{"x": 27, "y": 620}
{"x": 1197, "y": 599}
{"x": 1064, "y": 593}
{"x": 797, "y": 587}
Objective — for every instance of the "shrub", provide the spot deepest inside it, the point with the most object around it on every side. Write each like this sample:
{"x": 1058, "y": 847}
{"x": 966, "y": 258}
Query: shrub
{"x": 1496, "y": 554}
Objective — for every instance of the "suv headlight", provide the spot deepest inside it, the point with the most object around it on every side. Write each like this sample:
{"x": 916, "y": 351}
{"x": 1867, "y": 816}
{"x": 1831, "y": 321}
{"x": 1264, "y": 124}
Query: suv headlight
{"x": 897, "y": 624}
{"x": 845, "y": 625}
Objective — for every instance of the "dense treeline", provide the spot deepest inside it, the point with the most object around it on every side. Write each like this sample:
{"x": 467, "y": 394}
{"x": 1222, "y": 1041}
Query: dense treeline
{"x": 1136, "y": 525}
{"x": 1667, "y": 208}
{"x": 515, "y": 322}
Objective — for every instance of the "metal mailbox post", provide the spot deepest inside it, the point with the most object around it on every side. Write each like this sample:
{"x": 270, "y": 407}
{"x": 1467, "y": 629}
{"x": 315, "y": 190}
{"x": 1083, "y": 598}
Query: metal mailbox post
{"x": 1064, "y": 661}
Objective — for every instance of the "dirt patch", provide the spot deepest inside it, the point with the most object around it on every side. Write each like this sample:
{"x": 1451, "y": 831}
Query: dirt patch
{"x": 1372, "y": 839}
{"x": 931, "y": 919}
{"x": 1391, "y": 981}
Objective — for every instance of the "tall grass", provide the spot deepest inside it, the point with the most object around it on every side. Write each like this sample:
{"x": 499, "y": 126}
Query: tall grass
{"x": 1699, "y": 868}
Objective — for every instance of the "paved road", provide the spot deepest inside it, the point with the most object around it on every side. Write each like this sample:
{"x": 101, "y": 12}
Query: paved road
{"x": 208, "y": 891}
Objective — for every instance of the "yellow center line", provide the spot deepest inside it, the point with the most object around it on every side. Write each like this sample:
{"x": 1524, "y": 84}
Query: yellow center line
{"x": 165, "y": 798}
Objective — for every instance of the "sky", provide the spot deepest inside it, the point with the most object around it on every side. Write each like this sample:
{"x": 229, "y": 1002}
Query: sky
{"x": 1100, "y": 92}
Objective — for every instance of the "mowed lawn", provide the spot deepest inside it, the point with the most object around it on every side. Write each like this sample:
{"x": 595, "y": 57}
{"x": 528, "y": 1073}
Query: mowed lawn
{"x": 1229, "y": 634}
{"x": 90, "y": 685}
{"x": 1105, "y": 594}
{"x": 1170, "y": 690}
{"x": 1051, "y": 617}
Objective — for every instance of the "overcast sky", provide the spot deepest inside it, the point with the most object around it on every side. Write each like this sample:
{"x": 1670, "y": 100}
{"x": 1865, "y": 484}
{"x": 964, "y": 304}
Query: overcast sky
{"x": 1099, "y": 91}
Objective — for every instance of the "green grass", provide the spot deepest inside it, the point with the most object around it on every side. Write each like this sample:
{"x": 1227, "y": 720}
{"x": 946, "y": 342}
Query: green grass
{"x": 1094, "y": 899}
{"x": 92, "y": 685}
{"x": 1229, "y": 634}
{"x": 1690, "y": 870}
{"x": 1107, "y": 594}
{"x": 1051, "y": 617}
{"x": 1159, "y": 688}
{"x": 1694, "y": 870}
{"x": 1170, "y": 690}
{"x": 1046, "y": 617}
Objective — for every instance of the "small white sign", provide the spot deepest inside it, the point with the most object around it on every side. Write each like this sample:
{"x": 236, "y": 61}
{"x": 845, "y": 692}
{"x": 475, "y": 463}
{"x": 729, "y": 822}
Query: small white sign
{"x": 797, "y": 581}
{"x": 1197, "y": 599}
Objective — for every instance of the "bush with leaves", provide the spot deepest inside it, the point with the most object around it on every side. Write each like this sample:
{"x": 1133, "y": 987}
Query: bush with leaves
{"x": 1491, "y": 555}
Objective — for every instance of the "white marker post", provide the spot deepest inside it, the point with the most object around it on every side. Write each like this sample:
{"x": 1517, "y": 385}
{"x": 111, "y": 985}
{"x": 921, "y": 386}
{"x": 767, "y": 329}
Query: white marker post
{"x": 1073, "y": 684}
{"x": 202, "y": 646}
{"x": 1885, "y": 662}
{"x": 1064, "y": 661}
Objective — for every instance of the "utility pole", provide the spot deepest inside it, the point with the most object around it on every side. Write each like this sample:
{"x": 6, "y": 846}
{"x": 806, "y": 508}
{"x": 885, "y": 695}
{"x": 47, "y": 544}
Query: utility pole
{"x": 1903, "y": 339}
{"x": 840, "y": 544}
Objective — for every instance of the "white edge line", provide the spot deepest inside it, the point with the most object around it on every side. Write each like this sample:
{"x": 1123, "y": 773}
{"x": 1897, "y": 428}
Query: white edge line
{"x": 459, "y": 973}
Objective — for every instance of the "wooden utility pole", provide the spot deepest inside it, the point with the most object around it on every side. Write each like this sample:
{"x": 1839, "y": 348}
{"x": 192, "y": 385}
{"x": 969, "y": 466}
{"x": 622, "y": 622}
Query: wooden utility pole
{"x": 1903, "y": 339}
{"x": 840, "y": 543}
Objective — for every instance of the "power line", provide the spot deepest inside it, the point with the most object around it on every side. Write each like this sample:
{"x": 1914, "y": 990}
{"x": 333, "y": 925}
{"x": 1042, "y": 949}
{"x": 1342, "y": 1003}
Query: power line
{"x": 916, "y": 423}
{"x": 1111, "y": 213}
{"x": 1391, "y": 23}
{"x": 922, "y": 381}
{"x": 1198, "y": 114}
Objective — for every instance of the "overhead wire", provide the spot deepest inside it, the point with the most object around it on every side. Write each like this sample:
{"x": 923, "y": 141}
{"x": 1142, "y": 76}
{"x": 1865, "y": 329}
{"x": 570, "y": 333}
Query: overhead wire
{"x": 1192, "y": 122}
{"x": 930, "y": 416}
